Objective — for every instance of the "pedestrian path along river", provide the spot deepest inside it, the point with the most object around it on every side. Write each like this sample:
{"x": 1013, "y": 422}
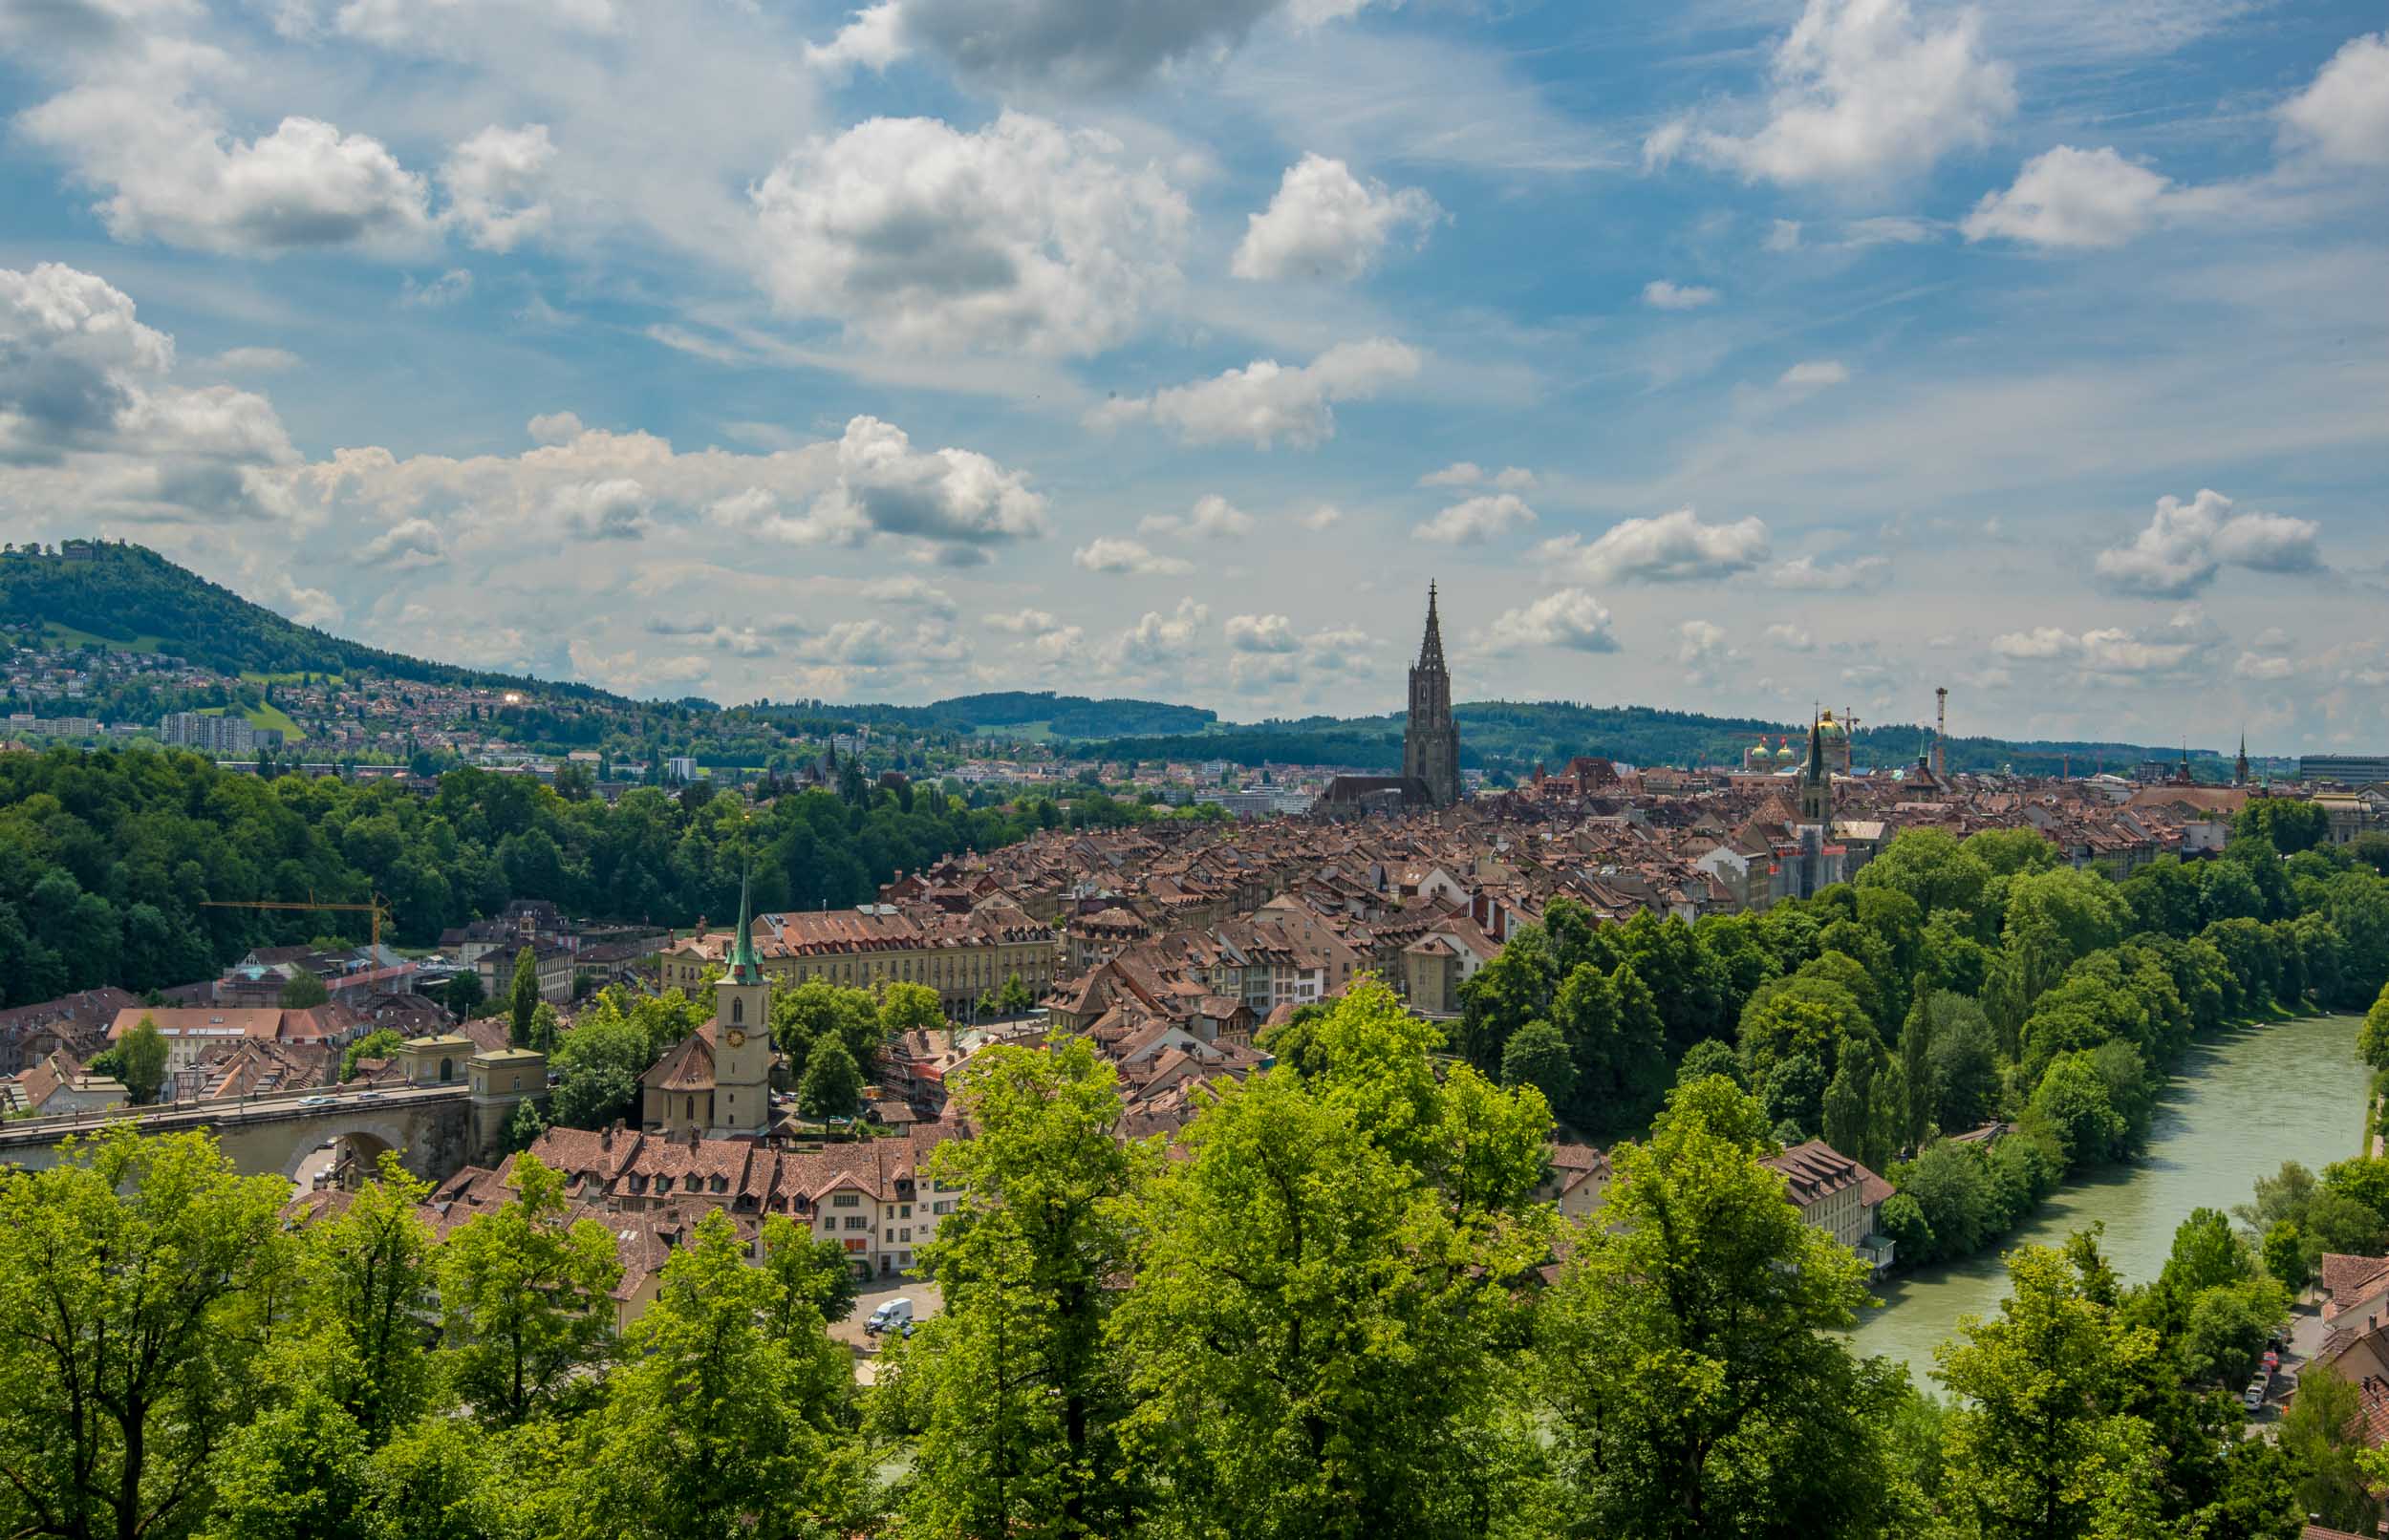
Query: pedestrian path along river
{"x": 2242, "y": 1102}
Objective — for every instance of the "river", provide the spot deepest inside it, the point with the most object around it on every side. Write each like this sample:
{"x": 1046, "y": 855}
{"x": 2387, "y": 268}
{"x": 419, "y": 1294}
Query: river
{"x": 2242, "y": 1102}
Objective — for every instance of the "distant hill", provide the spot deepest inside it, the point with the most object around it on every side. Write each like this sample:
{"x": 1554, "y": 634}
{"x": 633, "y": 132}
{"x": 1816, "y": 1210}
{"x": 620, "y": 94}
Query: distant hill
{"x": 128, "y": 595}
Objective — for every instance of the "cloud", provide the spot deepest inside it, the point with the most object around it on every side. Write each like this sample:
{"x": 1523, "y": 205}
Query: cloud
{"x": 492, "y": 180}
{"x": 1112, "y": 553}
{"x": 1021, "y": 622}
{"x": 1789, "y": 637}
{"x": 1569, "y": 618}
{"x": 555, "y": 428}
{"x": 172, "y": 174}
{"x": 906, "y": 590}
{"x": 1265, "y": 402}
{"x": 1211, "y": 517}
{"x": 2185, "y": 545}
{"x": 2344, "y": 114}
{"x": 1783, "y": 235}
{"x": 1325, "y": 223}
{"x": 1660, "y": 294}
{"x": 1262, "y": 633}
{"x": 255, "y": 360}
{"x": 1699, "y": 641}
{"x": 612, "y": 510}
{"x": 1673, "y": 548}
{"x": 1862, "y": 91}
{"x": 1477, "y": 520}
{"x": 2185, "y": 644}
{"x": 89, "y": 427}
{"x": 448, "y": 288}
{"x": 410, "y": 543}
{"x": 1019, "y": 236}
{"x": 1807, "y": 574}
{"x": 2070, "y": 198}
{"x": 1158, "y": 639}
{"x": 1327, "y": 516}
{"x": 1070, "y": 45}
{"x": 1468, "y": 473}
{"x": 1814, "y": 375}
{"x": 960, "y": 501}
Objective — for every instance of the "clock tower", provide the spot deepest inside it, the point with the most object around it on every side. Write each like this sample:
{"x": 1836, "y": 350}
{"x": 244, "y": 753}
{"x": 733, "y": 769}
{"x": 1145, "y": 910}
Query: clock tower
{"x": 743, "y": 1037}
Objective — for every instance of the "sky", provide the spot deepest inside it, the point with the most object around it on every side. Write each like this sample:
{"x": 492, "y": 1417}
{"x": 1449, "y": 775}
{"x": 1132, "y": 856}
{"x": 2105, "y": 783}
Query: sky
{"x": 1727, "y": 355}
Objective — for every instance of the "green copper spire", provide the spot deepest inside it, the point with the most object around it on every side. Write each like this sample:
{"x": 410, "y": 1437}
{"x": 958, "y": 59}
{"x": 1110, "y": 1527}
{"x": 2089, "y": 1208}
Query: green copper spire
{"x": 743, "y": 968}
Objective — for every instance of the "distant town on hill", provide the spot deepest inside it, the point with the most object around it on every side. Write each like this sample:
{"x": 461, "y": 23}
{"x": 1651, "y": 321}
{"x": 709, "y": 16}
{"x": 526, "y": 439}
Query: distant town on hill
{"x": 163, "y": 639}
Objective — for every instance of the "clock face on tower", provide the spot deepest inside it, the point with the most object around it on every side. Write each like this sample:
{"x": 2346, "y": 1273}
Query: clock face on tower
{"x": 736, "y": 1039}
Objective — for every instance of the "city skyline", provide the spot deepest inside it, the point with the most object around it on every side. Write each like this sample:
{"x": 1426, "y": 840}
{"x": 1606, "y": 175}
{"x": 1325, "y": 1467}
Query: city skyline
{"x": 816, "y": 354}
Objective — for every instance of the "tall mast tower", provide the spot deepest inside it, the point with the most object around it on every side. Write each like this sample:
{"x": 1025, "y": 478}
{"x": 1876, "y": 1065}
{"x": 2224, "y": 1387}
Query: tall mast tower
{"x": 1941, "y": 731}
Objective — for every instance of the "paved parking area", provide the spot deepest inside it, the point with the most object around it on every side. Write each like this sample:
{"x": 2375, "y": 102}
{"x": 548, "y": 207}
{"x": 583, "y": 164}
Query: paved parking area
{"x": 879, "y": 1291}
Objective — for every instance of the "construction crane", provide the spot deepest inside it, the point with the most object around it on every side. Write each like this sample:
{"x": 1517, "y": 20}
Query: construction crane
{"x": 378, "y": 909}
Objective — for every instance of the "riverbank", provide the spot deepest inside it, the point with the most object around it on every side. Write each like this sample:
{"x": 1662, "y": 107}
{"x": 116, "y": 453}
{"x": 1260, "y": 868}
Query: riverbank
{"x": 2242, "y": 1101}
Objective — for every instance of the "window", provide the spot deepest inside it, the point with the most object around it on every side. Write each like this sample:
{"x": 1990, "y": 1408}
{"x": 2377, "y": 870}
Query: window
{"x": 738, "y": 1010}
{"x": 904, "y": 1234}
{"x": 857, "y": 1222}
{"x": 846, "y": 1200}
{"x": 904, "y": 1210}
{"x": 945, "y": 1207}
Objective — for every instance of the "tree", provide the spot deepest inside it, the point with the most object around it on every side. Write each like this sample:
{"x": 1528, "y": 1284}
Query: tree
{"x": 464, "y": 995}
{"x": 716, "y": 1426}
{"x": 2322, "y": 1432}
{"x": 141, "y": 1059}
{"x": 2290, "y": 823}
{"x": 2038, "y": 1444}
{"x": 1022, "y": 1399}
{"x": 2372, "y": 1039}
{"x": 1711, "y": 1055}
{"x": 523, "y": 999}
{"x": 1312, "y": 1338}
{"x": 1688, "y": 1358}
{"x": 1537, "y": 1055}
{"x": 2285, "y": 1257}
{"x": 2071, "y": 1100}
{"x": 833, "y": 1085}
{"x": 382, "y": 1042}
{"x": 126, "y": 1275}
{"x": 598, "y": 1064}
{"x": 523, "y": 1127}
{"x": 368, "y": 1279}
{"x": 304, "y": 991}
{"x": 523, "y": 1300}
{"x": 910, "y": 1008}
{"x": 810, "y": 1277}
{"x": 1016, "y": 997}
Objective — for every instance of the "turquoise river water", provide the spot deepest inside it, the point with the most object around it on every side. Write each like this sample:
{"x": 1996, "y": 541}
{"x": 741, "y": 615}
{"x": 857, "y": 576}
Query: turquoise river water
{"x": 2242, "y": 1102}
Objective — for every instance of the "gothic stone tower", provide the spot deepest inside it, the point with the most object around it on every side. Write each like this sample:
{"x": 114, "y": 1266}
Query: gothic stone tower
{"x": 1430, "y": 744}
{"x": 743, "y": 1037}
{"x": 1817, "y": 781}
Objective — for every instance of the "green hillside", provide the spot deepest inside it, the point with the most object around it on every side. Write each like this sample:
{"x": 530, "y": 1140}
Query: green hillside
{"x": 129, "y": 596}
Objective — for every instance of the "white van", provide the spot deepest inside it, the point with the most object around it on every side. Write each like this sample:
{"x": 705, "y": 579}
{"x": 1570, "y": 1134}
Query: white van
{"x": 895, "y": 1316}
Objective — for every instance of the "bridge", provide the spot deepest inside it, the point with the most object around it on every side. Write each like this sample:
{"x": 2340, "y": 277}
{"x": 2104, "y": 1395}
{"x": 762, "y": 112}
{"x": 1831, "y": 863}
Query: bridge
{"x": 436, "y": 1121}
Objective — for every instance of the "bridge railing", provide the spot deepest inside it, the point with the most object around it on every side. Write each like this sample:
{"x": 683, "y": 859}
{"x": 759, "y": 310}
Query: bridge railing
{"x": 289, "y": 1096}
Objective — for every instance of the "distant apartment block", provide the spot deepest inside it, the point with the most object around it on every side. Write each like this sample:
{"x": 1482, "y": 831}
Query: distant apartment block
{"x": 2346, "y": 769}
{"x": 225, "y": 734}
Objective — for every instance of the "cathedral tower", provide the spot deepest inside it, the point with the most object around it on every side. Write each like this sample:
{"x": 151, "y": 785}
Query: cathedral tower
{"x": 1817, "y": 781}
{"x": 1430, "y": 744}
{"x": 742, "y": 1036}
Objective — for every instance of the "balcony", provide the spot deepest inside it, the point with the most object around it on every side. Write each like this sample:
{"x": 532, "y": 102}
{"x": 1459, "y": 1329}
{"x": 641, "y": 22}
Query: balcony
{"x": 1874, "y": 1250}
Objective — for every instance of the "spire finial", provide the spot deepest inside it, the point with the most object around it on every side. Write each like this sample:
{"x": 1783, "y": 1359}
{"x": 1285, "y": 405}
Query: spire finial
{"x": 743, "y": 968}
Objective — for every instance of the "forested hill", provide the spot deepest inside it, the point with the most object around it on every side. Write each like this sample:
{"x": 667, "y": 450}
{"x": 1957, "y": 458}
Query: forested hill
{"x": 1517, "y": 734}
{"x": 130, "y": 596}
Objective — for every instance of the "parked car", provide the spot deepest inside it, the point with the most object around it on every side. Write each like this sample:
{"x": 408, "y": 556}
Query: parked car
{"x": 2272, "y": 1361}
{"x": 2254, "y": 1396}
{"x": 895, "y": 1315}
{"x": 318, "y": 1100}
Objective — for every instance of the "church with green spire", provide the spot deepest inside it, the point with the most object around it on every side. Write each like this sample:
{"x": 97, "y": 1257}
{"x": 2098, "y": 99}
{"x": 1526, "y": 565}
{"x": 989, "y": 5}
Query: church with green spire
{"x": 741, "y": 1030}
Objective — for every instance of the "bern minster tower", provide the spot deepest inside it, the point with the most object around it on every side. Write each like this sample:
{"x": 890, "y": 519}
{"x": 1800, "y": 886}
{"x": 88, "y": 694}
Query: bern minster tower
{"x": 1430, "y": 744}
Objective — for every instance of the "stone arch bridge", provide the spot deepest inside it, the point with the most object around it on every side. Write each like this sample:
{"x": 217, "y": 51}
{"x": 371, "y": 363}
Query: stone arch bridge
{"x": 436, "y": 1129}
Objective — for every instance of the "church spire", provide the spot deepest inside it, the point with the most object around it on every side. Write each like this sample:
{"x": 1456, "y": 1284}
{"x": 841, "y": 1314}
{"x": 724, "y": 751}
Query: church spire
{"x": 743, "y": 968}
{"x": 1430, "y": 647}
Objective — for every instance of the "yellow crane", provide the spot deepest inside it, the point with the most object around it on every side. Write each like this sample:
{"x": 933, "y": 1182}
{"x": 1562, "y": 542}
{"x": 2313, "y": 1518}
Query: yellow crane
{"x": 378, "y": 909}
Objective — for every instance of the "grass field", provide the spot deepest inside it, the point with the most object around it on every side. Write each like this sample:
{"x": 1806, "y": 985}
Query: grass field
{"x": 252, "y": 676}
{"x": 72, "y": 637}
{"x": 264, "y": 717}
{"x": 1020, "y": 732}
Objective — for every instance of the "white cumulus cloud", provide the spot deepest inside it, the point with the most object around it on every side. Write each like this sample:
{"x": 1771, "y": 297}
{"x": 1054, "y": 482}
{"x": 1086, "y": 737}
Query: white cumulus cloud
{"x": 493, "y": 182}
{"x": 1673, "y": 548}
{"x": 1662, "y": 294}
{"x": 1806, "y": 573}
{"x": 1861, "y": 90}
{"x": 1020, "y": 235}
{"x": 1114, "y": 553}
{"x": 2067, "y": 197}
{"x": 1477, "y": 520}
{"x": 1569, "y": 617}
{"x": 2187, "y": 545}
{"x": 1326, "y": 223}
{"x": 2344, "y": 114}
{"x": 1266, "y": 401}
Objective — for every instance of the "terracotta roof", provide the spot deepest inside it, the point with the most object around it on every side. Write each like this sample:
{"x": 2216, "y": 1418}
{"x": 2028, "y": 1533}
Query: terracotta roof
{"x": 1815, "y": 1171}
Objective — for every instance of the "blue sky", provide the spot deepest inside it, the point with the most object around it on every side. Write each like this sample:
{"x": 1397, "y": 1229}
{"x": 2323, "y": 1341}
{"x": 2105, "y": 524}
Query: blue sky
{"x": 1728, "y": 356}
